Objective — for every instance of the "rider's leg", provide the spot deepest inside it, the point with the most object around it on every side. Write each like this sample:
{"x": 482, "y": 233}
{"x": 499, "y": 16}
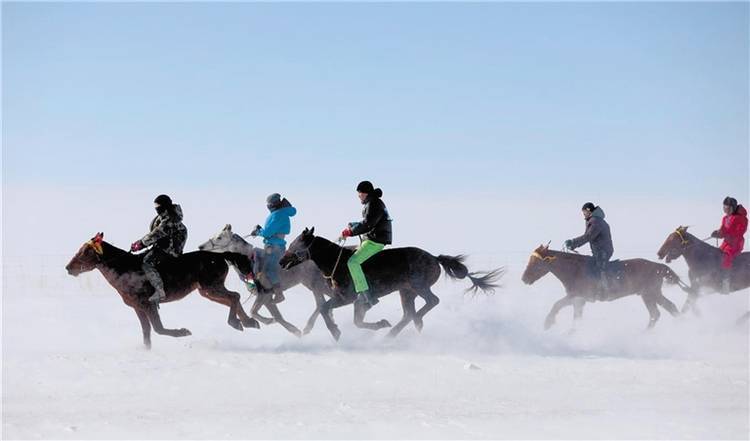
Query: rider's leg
{"x": 366, "y": 250}
{"x": 726, "y": 270}
{"x": 601, "y": 266}
{"x": 150, "y": 261}
{"x": 273, "y": 254}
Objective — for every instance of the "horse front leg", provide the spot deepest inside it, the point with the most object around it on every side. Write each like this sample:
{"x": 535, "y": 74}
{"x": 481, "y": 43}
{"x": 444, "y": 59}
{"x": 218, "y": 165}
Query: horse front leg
{"x": 326, "y": 311}
{"x": 552, "y": 315}
{"x": 274, "y": 310}
{"x": 145, "y": 327}
{"x": 155, "y": 319}
{"x": 319, "y": 300}
{"x": 260, "y": 300}
{"x": 578, "y": 304}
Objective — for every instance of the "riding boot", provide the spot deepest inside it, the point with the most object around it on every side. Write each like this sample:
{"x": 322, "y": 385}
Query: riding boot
{"x": 726, "y": 288}
{"x": 603, "y": 286}
{"x": 367, "y": 297}
{"x": 158, "y": 285}
{"x": 278, "y": 294}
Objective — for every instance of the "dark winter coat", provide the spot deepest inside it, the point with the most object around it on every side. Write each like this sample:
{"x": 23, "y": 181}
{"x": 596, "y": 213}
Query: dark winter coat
{"x": 376, "y": 223}
{"x": 597, "y": 235}
{"x": 168, "y": 233}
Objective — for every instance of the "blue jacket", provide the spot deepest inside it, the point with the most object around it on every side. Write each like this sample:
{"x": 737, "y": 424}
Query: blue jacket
{"x": 277, "y": 226}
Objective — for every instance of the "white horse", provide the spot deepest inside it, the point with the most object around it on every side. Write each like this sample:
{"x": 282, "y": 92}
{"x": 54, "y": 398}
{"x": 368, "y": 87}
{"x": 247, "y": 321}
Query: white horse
{"x": 306, "y": 274}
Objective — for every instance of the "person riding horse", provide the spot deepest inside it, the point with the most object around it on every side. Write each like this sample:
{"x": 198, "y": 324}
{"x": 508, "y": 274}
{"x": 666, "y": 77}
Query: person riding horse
{"x": 732, "y": 230}
{"x": 277, "y": 226}
{"x": 166, "y": 238}
{"x": 376, "y": 229}
{"x": 599, "y": 237}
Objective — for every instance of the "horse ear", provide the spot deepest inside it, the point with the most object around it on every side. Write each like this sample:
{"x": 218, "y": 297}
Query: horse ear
{"x": 546, "y": 247}
{"x": 312, "y": 231}
{"x": 228, "y": 227}
{"x": 305, "y": 232}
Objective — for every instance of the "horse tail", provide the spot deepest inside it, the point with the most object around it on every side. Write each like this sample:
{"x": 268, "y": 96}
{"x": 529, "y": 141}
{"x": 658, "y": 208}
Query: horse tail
{"x": 485, "y": 281}
{"x": 671, "y": 277}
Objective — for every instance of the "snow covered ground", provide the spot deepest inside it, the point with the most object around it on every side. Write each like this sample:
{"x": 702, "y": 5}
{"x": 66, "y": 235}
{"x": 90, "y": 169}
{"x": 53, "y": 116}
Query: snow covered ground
{"x": 74, "y": 368}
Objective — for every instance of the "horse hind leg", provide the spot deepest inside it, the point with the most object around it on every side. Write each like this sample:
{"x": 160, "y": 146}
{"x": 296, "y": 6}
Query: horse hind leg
{"x": 225, "y": 297}
{"x": 145, "y": 327}
{"x": 407, "y": 304}
{"x": 649, "y": 299}
{"x": 274, "y": 310}
{"x": 431, "y": 301}
{"x": 552, "y": 315}
{"x": 155, "y": 319}
{"x": 360, "y": 309}
{"x": 668, "y": 305}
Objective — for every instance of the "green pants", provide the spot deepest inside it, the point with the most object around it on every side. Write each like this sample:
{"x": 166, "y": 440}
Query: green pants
{"x": 366, "y": 250}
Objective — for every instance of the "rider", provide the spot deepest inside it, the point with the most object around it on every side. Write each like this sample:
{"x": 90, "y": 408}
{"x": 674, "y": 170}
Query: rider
{"x": 732, "y": 230}
{"x": 599, "y": 238}
{"x": 276, "y": 228}
{"x": 376, "y": 229}
{"x": 166, "y": 238}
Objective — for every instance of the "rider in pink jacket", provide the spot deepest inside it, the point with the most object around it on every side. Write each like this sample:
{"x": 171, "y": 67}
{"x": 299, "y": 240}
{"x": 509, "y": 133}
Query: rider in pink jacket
{"x": 732, "y": 230}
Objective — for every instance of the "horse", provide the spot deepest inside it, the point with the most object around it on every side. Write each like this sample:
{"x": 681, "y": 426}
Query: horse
{"x": 199, "y": 270}
{"x": 632, "y": 276}
{"x": 704, "y": 266}
{"x": 306, "y": 274}
{"x": 410, "y": 271}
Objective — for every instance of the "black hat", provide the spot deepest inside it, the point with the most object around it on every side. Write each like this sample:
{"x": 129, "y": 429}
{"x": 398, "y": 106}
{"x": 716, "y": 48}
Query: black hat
{"x": 589, "y": 206}
{"x": 163, "y": 201}
{"x": 273, "y": 199}
{"x": 730, "y": 201}
{"x": 365, "y": 187}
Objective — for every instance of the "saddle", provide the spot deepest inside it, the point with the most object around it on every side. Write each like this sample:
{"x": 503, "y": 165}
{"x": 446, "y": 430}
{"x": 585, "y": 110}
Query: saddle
{"x": 613, "y": 271}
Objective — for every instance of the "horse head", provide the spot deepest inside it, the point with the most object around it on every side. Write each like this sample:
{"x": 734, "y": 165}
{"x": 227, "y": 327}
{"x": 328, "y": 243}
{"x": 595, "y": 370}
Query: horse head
{"x": 299, "y": 249}
{"x": 87, "y": 257}
{"x": 675, "y": 244}
{"x": 539, "y": 264}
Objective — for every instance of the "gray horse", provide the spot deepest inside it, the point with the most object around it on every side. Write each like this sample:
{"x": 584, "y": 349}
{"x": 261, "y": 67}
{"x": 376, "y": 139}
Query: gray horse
{"x": 306, "y": 274}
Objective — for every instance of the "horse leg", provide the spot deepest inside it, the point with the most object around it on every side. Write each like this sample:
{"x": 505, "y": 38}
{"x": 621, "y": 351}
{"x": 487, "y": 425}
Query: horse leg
{"x": 578, "y": 304}
{"x": 276, "y": 314}
{"x": 667, "y": 304}
{"x": 260, "y": 300}
{"x": 649, "y": 299}
{"x": 360, "y": 309}
{"x": 319, "y": 300}
{"x": 326, "y": 311}
{"x": 153, "y": 317}
{"x": 560, "y": 304}
{"x": 225, "y": 297}
{"x": 407, "y": 304}
{"x": 431, "y": 301}
{"x": 145, "y": 327}
{"x": 743, "y": 319}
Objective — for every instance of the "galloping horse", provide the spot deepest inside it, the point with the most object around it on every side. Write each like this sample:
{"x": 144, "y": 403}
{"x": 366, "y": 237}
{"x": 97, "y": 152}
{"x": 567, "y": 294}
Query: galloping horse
{"x": 632, "y": 276}
{"x": 704, "y": 266}
{"x": 306, "y": 274}
{"x": 410, "y": 271}
{"x": 182, "y": 275}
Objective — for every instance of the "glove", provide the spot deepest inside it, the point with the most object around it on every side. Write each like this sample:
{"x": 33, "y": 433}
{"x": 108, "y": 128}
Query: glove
{"x": 346, "y": 233}
{"x": 716, "y": 234}
{"x": 569, "y": 244}
{"x": 136, "y": 246}
{"x": 256, "y": 231}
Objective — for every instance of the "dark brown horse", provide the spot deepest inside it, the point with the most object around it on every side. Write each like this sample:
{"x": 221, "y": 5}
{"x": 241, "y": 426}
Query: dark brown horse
{"x": 704, "y": 266}
{"x": 410, "y": 271}
{"x": 632, "y": 276}
{"x": 182, "y": 275}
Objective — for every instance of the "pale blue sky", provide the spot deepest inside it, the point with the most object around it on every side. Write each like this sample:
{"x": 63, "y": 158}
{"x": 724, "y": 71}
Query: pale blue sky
{"x": 639, "y": 99}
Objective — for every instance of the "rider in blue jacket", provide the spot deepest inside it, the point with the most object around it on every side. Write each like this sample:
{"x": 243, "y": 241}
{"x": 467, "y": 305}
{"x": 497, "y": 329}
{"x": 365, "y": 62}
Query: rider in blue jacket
{"x": 277, "y": 226}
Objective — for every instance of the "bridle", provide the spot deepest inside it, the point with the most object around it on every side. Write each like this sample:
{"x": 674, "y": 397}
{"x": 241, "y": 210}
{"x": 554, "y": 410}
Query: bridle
{"x": 548, "y": 259}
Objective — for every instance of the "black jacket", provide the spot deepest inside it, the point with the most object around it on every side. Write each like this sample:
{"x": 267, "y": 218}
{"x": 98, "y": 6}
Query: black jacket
{"x": 597, "y": 235}
{"x": 376, "y": 224}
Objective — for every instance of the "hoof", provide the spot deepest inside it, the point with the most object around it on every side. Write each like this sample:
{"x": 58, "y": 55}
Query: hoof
{"x": 184, "y": 332}
{"x": 147, "y": 345}
{"x": 297, "y": 333}
{"x": 235, "y": 324}
{"x": 419, "y": 324}
{"x": 384, "y": 324}
{"x": 250, "y": 323}
{"x": 336, "y": 333}
{"x": 548, "y": 324}
{"x": 307, "y": 330}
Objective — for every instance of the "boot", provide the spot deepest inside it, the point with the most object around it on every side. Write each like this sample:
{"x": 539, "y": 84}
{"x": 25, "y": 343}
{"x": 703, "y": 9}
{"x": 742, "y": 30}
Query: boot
{"x": 603, "y": 286}
{"x": 154, "y": 279}
{"x": 278, "y": 294}
{"x": 366, "y": 297}
{"x": 726, "y": 288}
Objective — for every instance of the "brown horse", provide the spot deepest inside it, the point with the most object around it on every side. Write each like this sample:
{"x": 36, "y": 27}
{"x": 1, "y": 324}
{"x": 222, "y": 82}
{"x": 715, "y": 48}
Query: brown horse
{"x": 704, "y": 266}
{"x": 632, "y": 276}
{"x": 182, "y": 275}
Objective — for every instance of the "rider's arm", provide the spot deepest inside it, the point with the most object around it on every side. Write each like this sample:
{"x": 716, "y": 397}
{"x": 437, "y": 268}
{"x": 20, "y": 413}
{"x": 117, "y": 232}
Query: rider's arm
{"x": 375, "y": 213}
{"x": 592, "y": 232}
{"x": 159, "y": 232}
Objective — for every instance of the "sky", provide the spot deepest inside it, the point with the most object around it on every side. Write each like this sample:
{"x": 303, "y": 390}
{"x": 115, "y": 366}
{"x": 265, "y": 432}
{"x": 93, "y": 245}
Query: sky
{"x": 468, "y": 107}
